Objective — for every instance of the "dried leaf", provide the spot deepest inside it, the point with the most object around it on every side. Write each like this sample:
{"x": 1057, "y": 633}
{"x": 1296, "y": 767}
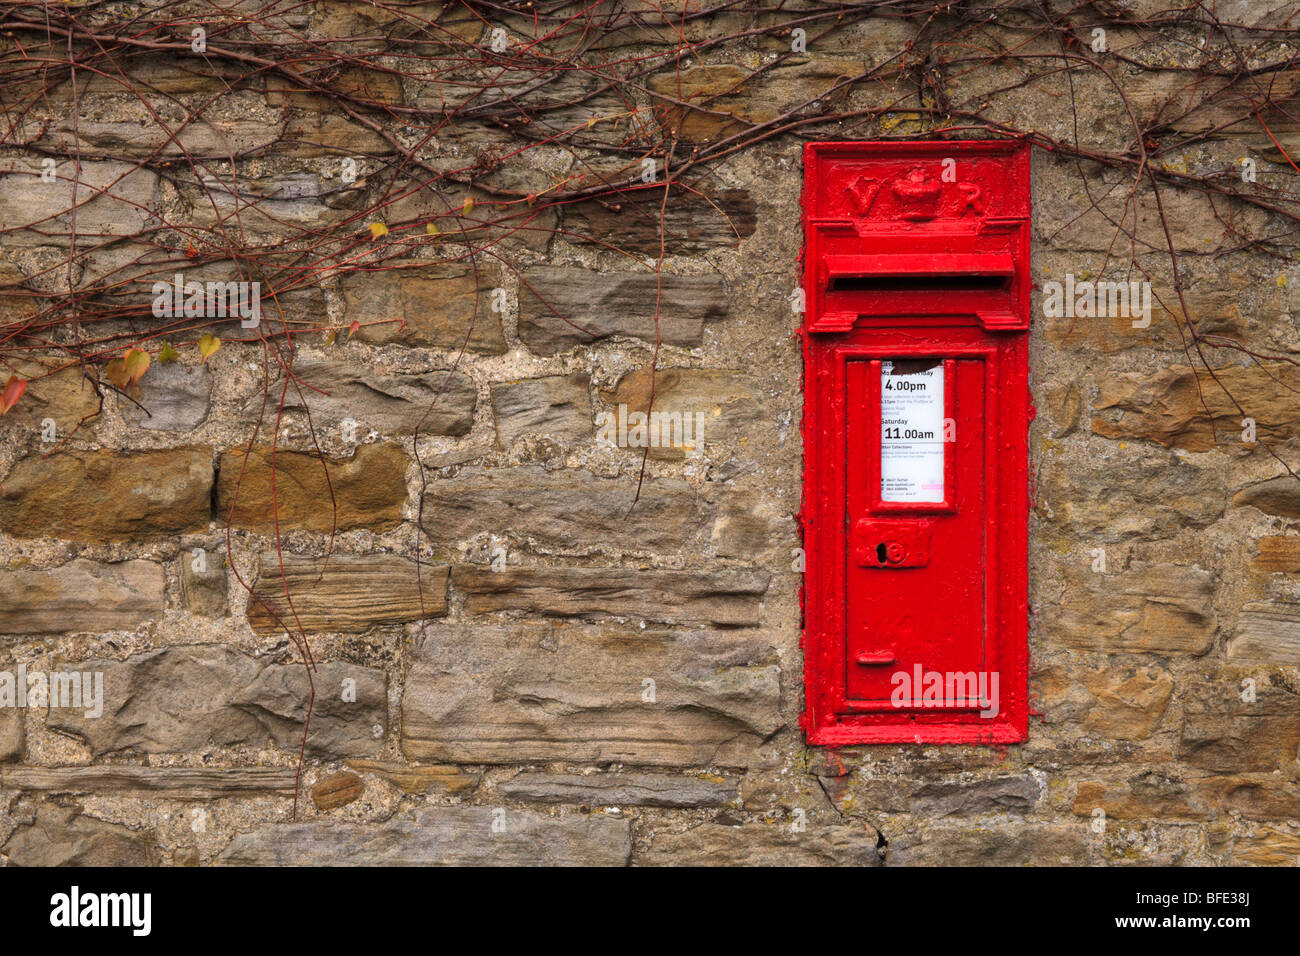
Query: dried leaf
{"x": 135, "y": 363}
{"x": 115, "y": 371}
{"x": 378, "y": 229}
{"x": 208, "y": 344}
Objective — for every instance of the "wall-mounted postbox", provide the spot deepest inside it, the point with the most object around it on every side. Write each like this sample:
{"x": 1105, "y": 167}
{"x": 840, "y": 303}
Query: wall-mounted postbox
{"x": 916, "y": 417}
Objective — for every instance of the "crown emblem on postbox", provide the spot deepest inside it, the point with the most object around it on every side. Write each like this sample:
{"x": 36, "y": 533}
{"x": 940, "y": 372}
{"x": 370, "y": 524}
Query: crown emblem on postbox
{"x": 918, "y": 195}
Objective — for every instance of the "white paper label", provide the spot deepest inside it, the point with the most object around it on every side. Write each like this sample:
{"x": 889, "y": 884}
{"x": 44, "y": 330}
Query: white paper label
{"x": 911, "y": 427}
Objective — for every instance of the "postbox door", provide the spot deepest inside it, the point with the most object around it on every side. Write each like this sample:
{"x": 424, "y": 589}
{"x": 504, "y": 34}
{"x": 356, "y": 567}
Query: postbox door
{"x": 916, "y": 509}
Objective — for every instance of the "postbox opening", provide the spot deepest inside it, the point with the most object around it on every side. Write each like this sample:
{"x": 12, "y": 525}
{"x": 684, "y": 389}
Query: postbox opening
{"x": 920, "y": 283}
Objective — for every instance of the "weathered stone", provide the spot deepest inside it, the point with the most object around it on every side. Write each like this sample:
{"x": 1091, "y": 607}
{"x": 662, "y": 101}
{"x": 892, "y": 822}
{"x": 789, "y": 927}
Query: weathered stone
{"x": 728, "y": 598}
{"x": 1224, "y": 734}
{"x": 1213, "y": 311}
{"x": 555, "y": 405}
{"x": 1277, "y": 496}
{"x": 11, "y": 735}
{"x": 448, "y": 779}
{"x": 112, "y": 199}
{"x": 279, "y": 205}
{"x": 349, "y": 715}
{"x": 689, "y": 224}
{"x": 1278, "y": 553}
{"x": 866, "y": 796}
{"x": 500, "y": 694}
{"x": 170, "y": 700}
{"x": 370, "y": 87}
{"x": 560, "y": 308}
{"x": 1091, "y": 213}
{"x": 1064, "y": 406}
{"x": 744, "y": 526}
{"x": 79, "y": 596}
{"x": 418, "y": 204}
{"x": 557, "y": 101}
{"x": 721, "y": 101}
{"x": 364, "y": 491}
{"x": 369, "y": 26}
{"x": 337, "y": 790}
{"x": 764, "y": 844}
{"x": 1156, "y": 497}
{"x": 1152, "y": 609}
{"x": 722, "y": 406}
{"x": 172, "y": 782}
{"x": 310, "y": 134}
{"x": 620, "y": 789}
{"x": 108, "y": 496}
{"x": 1010, "y": 794}
{"x": 233, "y": 123}
{"x": 1127, "y": 704}
{"x": 1171, "y": 99}
{"x": 1268, "y": 846}
{"x": 1169, "y": 406}
{"x": 345, "y": 593}
{"x": 1147, "y": 797}
{"x": 1019, "y": 844}
{"x": 172, "y": 398}
{"x": 440, "y": 836}
{"x": 429, "y": 305}
{"x": 440, "y": 403}
{"x": 64, "y": 397}
{"x": 1059, "y": 695}
{"x": 185, "y": 698}
{"x": 64, "y": 836}
{"x": 1267, "y": 633}
{"x": 203, "y": 592}
{"x": 1258, "y": 798}
{"x": 563, "y": 510}
{"x": 764, "y": 790}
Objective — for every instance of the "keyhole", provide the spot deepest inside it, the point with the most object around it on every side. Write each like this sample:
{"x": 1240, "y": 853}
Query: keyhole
{"x": 880, "y": 552}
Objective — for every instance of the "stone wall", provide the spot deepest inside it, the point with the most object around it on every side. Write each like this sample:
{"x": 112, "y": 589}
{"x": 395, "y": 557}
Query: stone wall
{"x": 532, "y": 646}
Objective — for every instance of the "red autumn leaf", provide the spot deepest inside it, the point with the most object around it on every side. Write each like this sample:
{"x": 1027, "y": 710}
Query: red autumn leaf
{"x": 12, "y": 391}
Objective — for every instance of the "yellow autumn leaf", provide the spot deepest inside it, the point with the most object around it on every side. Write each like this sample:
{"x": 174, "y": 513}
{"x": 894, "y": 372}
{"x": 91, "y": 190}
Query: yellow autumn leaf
{"x": 135, "y": 363}
{"x": 378, "y": 229}
{"x": 208, "y": 344}
{"x": 469, "y": 205}
{"x": 168, "y": 354}
{"x": 431, "y": 229}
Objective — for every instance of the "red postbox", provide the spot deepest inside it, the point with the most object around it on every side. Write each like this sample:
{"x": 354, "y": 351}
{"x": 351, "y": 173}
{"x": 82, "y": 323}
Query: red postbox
{"x": 916, "y": 418}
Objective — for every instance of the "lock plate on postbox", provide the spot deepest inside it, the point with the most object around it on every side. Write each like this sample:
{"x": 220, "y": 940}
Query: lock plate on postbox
{"x": 916, "y": 277}
{"x": 891, "y": 544}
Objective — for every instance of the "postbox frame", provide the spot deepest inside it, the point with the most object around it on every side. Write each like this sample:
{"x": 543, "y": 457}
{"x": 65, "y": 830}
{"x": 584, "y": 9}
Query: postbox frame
{"x": 977, "y": 309}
